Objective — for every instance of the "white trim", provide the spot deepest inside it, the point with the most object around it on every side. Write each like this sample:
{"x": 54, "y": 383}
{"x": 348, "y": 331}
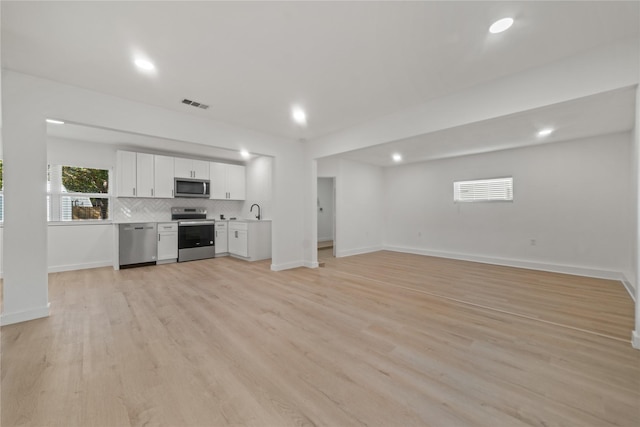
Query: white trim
{"x": 554, "y": 268}
{"x": 309, "y": 264}
{"x": 84, "y": 266}
{"x": 288, "y": 265}
{"x": 628, "y": 286}
{"x": 81, "y": 222}
{"x": 358, "y": 251}
{"x": 635, "y": 339}
{"x": 23, "y": 316}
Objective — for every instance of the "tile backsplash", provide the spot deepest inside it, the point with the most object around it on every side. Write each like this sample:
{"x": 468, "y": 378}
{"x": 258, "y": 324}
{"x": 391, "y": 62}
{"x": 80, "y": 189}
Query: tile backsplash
{"x": 126, "y": 209}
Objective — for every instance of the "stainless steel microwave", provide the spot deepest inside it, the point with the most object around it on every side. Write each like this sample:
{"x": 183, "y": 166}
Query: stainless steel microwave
{"x": 185, "y": 187}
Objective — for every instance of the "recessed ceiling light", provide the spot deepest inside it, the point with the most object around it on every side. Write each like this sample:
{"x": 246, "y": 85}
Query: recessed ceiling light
{"x": 245, "y": 154}
{"x": 144, "y": 64}
{"x": 397, "y": 157}
{"x": 299, "y": 116}
{"x": 545, "y": 132}
{"x": 55, "y": 122}
{"x": 501, "y": 25}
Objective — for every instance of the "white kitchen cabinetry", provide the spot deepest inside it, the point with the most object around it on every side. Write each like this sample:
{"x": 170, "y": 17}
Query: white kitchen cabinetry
{"x": 167, "y": 242}
{"x": 126, "y": 174}
{"x": 250, "y": 240}
{"x": 144, "y": 175}
{"x": 228, "y": 182}
{"x": 238, "y": 239}
{"x": 189, "y": 168}
{"x": 163, "y": 176}
{"x": 222, "y": 238}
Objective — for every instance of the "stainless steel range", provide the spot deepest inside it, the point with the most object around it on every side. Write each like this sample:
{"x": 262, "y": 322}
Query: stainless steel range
{"x": 195, "y": 234}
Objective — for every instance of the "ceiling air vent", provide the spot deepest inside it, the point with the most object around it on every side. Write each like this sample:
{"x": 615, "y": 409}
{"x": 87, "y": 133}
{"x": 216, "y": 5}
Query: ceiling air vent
{"x": 195, "y": 104}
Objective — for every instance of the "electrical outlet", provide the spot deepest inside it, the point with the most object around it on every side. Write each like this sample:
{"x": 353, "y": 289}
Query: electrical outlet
{"x": 419, "y": 233}
{"x": 532, "y": 242}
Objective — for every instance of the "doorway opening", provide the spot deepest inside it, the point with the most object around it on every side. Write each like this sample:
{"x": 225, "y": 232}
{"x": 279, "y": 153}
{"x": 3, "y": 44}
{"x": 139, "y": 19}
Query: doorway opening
{"x": 326, "y": 219}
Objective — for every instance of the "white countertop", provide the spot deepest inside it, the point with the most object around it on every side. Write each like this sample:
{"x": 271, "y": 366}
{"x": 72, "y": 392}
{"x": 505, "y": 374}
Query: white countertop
{"x": 169, "y": 220}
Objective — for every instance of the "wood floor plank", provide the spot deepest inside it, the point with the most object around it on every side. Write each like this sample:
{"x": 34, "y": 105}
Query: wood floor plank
{"x": 382, "y": 339}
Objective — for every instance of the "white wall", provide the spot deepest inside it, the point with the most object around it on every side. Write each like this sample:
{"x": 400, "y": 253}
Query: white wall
{"x": 359, "y": 227}
{"x": 325, "y": 202}
{"x": 78, "y": 246}
{"x": 259, "y": 188}
{"x": 25, "y": 290}
{"x": 573, "y": 198}
{"x": 77, "y": 153}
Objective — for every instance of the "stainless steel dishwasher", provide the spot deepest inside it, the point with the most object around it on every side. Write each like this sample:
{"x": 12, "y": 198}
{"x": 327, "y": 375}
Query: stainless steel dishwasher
{"x": 138, "y": 244}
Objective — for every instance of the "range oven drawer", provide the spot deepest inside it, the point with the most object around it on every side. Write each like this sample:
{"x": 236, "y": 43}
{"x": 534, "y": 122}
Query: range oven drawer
{"x": 196, "y": 240}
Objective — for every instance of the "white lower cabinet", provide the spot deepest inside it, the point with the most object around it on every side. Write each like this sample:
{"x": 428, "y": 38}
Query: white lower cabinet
{"x": 167, "y": 242}
{"x": 250, "y": 240}
{"x": 221, "y": 238}
{"x": 238, "y": 244}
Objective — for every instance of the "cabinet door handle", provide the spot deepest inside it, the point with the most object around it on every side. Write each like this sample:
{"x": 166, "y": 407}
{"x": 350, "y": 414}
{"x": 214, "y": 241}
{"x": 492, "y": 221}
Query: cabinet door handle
{"x": 158, "y": 237}
{"x": 152, "y": 191}
{"x": 216, "y": 233}
{"x": 134, "y": 191}
{"x": 236, "y": 234}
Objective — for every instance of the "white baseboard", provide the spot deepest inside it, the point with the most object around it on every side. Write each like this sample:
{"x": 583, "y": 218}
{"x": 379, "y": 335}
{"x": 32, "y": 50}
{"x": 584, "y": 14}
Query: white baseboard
{"x": 287, "y": 265}
{"x": 84, "y": 266}
{"x": 25, "y": 315}
{"x": 358, "y": 251}
{"x": 554, "y": 268}
{"x": 71, "y": 267}
{"x": 635, "y": 339}
{"x": 629, "y": 287}
{"x": 324, "y": 239}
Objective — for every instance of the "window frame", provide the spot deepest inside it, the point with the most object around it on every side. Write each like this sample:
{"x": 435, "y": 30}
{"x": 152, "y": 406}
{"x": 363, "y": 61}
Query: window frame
{"x": 55, "y": 198}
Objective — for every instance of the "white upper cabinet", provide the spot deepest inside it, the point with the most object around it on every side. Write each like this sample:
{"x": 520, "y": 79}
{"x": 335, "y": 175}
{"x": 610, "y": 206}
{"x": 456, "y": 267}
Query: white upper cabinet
{"x": 236, "y": 182}
{"x": 189, "y": 168}
{"x": 228, "y": 182}
{"x": 218, "y": 173}
{"x": 163, "y": 176}
{"x": 126, "y": 174}
{"x": 144, "y": 175}
{"x": 201, "y": 169}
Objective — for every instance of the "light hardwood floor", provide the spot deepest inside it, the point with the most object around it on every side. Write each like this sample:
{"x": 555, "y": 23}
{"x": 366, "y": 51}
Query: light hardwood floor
{"x": 382, "y": 339}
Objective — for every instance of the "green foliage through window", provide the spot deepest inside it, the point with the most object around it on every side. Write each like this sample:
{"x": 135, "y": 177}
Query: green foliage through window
{"x": 85, "y": 180}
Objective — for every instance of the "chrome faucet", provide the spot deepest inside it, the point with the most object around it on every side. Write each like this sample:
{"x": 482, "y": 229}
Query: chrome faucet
{"x": 251, "y": 210}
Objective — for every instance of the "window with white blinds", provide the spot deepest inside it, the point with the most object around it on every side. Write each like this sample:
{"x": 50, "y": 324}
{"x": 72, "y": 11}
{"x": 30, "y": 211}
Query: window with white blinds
{"x": 483, "y": 190}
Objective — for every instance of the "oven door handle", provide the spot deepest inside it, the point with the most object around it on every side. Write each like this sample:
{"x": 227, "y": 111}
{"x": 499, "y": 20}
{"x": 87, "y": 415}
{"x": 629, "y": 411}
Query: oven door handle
{"x": 192, "y": 223}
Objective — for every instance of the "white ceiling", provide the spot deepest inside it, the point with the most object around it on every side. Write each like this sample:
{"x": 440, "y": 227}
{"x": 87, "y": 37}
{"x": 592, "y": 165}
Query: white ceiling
{"x": 344, "y": 62}
{"x": 599, "y": 114}
{"x": 142, "y": 143}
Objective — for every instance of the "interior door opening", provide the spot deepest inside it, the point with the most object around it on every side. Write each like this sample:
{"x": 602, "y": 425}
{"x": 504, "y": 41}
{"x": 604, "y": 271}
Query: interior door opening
{"x": 326, "y": 206}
